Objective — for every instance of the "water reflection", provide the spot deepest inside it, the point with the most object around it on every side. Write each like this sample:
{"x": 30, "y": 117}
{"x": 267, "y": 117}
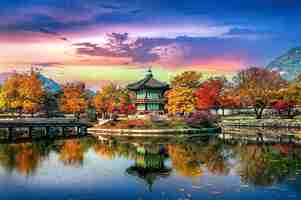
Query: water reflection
{"x": 149, "y": 162}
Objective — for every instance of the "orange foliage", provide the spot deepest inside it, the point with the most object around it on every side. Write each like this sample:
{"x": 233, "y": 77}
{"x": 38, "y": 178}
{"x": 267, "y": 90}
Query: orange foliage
{"x": 112, "y": 99}
{"x": 26, "y": 159}
{"x": 23, "y": 92}
{"x": 104, "y": 151}
{"x": 208, "y": 94}
{"x": 184, "y": 161}
{"x": 71, "y": 153}
{"x": 73, "y": 99}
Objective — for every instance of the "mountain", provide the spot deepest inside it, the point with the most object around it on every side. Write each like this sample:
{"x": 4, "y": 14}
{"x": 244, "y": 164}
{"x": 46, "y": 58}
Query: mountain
{"x": 289, "y": 64}
{"x": 49, "y": 84}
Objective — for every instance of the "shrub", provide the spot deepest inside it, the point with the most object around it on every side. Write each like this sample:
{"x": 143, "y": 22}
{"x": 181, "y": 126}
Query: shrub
{"x": 201, "y": 119}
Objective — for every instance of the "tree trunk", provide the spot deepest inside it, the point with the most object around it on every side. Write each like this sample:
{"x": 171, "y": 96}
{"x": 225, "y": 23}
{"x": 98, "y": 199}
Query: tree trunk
{"x": 76, "y": 115}
{"x": 289, "y": 113}
{"x": 258, "y": 112}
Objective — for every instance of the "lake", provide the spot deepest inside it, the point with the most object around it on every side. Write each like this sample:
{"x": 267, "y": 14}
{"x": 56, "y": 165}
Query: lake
{"x": 197, "y": 168}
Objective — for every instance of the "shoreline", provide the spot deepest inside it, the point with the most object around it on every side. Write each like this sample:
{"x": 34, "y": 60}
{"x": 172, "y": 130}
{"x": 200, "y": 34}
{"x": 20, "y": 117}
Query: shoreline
{"x": 154, "y": 132}
{"x": 262, "y": 123}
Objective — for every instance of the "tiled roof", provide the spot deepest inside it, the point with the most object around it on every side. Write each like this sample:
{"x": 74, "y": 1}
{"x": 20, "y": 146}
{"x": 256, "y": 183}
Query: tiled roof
{"x": 148, "y": 82}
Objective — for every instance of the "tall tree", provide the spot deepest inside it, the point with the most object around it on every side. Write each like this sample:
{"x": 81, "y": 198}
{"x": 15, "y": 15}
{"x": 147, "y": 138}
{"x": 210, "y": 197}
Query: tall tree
{"x": 73, "y": 99}
{"x": 180, "y": 100}
{"x": 32, "y": 93}
{"x": 11, "y": 93}
{"x": 181, "y": 97}
{"x": 106, "y": 100}
{"x": 256, "y": 86}
{"x": 228, "y": 99}
{"x": 207, "y": 95}
{"x": 188, "y": 79}
{"x": 23, "y": 93}
{"x": 113, "y": 99}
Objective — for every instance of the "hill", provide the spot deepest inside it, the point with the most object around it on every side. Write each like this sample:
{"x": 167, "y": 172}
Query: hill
{"x": 289, "y": 64}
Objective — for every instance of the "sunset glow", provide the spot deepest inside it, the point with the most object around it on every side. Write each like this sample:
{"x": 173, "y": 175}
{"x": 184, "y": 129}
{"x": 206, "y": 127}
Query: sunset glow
{"x": 86, "y": 40}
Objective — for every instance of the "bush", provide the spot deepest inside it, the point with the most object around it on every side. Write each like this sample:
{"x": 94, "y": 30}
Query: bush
{"x": 201, "y": 119}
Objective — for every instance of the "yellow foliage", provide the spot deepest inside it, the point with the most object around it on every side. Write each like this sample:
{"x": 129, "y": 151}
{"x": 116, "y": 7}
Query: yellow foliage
{"x": 180, "y": 100}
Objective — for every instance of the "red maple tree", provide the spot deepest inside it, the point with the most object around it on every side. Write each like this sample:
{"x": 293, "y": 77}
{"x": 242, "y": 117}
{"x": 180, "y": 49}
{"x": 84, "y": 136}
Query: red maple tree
{"x": 208, "y": 93}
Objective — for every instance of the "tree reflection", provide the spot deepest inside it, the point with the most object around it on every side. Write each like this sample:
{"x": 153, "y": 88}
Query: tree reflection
{"x": 215, "y": 158}
{"x": 72, "y": 153}
{"x": 190, "y": 159}
{"x": 110, "y": 150}
{"x": 24, "y": 157}
{"x": 185, "y": 160}
{"x": 265, "y": 165}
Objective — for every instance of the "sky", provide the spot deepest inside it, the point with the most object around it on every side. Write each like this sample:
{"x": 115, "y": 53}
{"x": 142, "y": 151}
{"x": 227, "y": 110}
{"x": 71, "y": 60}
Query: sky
{"x": 99, "y": 41}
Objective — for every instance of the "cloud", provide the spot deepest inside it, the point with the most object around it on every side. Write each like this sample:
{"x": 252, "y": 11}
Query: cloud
{"x": 49, "y": 32}
{"x": 174, "y": 52}
{"x": 249, "y": 33}
{"x": 120, "y": 45}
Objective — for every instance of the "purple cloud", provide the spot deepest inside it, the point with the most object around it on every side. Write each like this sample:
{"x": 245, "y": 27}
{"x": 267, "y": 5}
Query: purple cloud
{"x": 120, "y": 45}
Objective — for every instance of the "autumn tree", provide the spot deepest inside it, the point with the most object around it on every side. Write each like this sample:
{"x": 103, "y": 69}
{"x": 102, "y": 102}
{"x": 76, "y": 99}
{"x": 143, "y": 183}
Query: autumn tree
{"x": 207, "y": 95}
{"x": 32, "y": 93}
{"x": 187, "y": 79}
{"x": 73, "y": 99}
{"x": 106, "y": 99}
{"x": 256, "y": 86}
{"x": 229, "y": 97}
{"x": 11, "y": 94}
{"x": 288, "y": 97}
{"x": 181, "y": 98}
{"x": 23, "y": 93}
{"x": 126, "y": 105}
{"x": 113, "y": 99}
{"x": 2, "y": 100}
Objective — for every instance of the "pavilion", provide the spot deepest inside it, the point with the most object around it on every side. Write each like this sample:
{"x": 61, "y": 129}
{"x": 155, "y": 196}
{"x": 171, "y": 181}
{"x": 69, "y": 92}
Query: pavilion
{"x": 149, "y": 94}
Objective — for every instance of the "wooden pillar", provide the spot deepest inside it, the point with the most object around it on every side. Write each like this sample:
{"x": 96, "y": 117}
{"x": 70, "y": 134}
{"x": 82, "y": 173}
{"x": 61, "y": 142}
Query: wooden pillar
{"x": 77, "y": 130}
{"x": 10, "y": 133}
{"x": 84, "y": 130}
{"x": 47, "y": 129}
{"x": 63, "y": 131}
{"x": 30, "y": 131}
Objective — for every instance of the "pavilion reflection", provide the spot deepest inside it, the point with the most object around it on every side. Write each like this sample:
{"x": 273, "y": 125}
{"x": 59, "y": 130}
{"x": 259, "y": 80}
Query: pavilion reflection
{"x": 149, "y": 164}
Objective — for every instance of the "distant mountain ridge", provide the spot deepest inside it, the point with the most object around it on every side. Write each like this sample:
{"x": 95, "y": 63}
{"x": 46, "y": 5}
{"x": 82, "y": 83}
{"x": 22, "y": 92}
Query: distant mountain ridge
{"x": 49, "y": 84}
{"x": 289, "y": 64}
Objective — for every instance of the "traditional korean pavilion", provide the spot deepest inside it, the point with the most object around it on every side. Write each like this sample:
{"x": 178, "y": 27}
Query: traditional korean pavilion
{"x": 149, "y": 94}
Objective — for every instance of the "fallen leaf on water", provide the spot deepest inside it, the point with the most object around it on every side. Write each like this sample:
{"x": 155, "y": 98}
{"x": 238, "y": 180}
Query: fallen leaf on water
{"x": 291, "y": 179}
{"x": 196, "y": 187}
{"x": 216, "y": 192}
{"x": 244, "y": 186}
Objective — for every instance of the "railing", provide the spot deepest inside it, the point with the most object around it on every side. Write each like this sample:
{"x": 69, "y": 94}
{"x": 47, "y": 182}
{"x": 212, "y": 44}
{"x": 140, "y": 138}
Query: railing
{"x": 149, "y": 100}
